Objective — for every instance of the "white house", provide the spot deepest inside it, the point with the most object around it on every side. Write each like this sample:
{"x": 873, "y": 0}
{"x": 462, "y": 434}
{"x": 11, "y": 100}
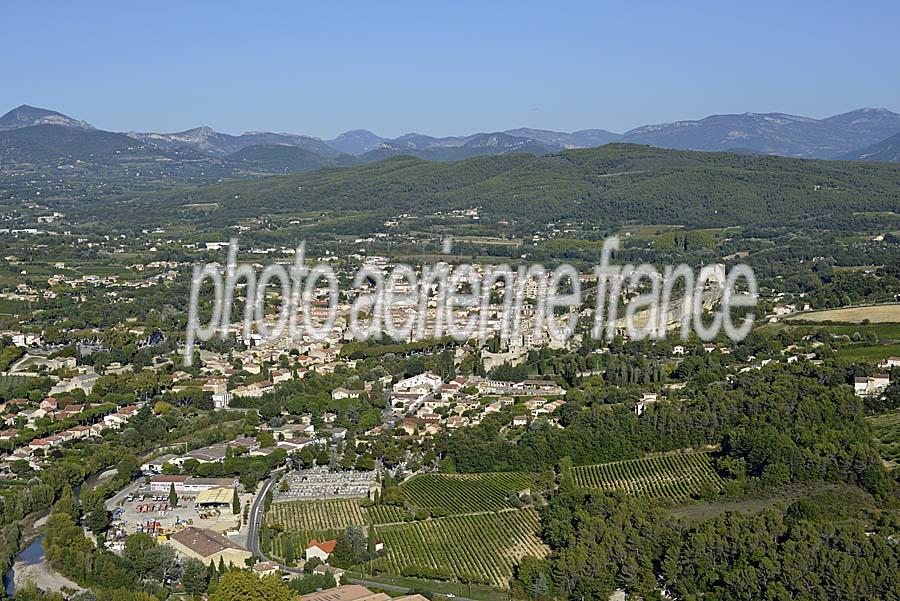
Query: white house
{"x": 322, "y": 550}
{"x": 872, "y": 385}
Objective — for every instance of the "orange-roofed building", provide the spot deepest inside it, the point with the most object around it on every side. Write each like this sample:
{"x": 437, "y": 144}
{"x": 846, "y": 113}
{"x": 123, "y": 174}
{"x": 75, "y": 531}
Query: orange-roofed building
{"x": 320, "y": 549}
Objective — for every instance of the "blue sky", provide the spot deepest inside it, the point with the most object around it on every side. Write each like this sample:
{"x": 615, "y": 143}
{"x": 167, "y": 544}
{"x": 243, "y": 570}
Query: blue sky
{"x": 320, "y": 68}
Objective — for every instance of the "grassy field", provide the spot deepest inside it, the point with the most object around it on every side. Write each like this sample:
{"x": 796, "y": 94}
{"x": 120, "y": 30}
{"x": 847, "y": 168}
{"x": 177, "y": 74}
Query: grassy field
{"x": 780, "y": 498}
{"x": 869, "y": 353}
{"x": 886, "y": 428}
{"x": 12, "y": 307}
{"x": 884, "y": 331}
{"x": 482, "y": 548}
{"x": 677, "y": 476}
{"x": 875, "y": 314}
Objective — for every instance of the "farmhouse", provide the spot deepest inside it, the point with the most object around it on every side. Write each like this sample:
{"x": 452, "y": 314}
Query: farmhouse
{"x": 83, "y": 382}
{"x": 343, "y": 393}
{"x": 889, "y": 363}
{"x": 322, "y": 550}
{"x": 647, "y": 399}
{"x": 871, "y": 385}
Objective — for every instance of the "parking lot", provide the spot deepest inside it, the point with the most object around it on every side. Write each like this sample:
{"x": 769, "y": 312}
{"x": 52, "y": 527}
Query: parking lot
{"x": 143, "y": 511}
{"x": 322, "y": 483}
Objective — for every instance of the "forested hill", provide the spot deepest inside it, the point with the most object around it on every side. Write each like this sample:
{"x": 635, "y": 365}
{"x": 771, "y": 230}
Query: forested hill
{"x": 605, "y": 186}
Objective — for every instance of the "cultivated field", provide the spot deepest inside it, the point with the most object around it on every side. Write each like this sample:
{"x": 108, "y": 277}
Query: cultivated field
{"x": 471, "y": 548}
{"x": 10, "y": 382}
{"x": 448, "y": 494}
{"x": 678, "y": 476}
{"x": 333, "y": 514}
{"x": 439, "y": 494}
{"x": 884, "y": 331}
{"x": 886, "y": 428}
{"x": 875, "y": 314}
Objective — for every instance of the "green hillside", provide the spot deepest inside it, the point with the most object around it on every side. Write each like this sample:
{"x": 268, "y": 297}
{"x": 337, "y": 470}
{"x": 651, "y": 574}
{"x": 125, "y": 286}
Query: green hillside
{"x": 275, "y": 158}
{"x": 607, "y": 187}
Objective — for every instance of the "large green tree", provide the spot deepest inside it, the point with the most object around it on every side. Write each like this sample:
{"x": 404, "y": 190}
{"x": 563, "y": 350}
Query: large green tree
{"x": 238, "y": 585}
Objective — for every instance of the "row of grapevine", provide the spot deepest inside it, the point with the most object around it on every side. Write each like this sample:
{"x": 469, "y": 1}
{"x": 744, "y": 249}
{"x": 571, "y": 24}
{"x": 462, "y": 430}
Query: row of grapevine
{"x": 331, "y": 514}
{"x": 387, "y": 514}
{"x": 464, "y": 493}
{"x": 676, "y": 476}
{"x": 481, "y": 548}
{"x": 439, "y": 494}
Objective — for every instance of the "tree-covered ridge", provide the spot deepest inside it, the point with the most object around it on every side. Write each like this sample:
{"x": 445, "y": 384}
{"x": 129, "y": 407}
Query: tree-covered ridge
{"x": 791, "y": 423}
{"x": 833, "y": 545}
{"x": 606, "y": 186}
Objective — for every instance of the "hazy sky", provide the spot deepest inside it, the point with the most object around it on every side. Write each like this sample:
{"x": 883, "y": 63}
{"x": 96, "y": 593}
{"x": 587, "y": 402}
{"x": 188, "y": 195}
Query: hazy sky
{"x": 324, "y": 67}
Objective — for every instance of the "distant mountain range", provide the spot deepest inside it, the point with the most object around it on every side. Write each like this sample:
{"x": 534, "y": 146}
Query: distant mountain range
{"x": 749, "y": 133}
{"x": 32, "y": 138}
{"x": 886, "y": 151}
{"x": 29, "y": 116}
{"x": 205, "y": 139}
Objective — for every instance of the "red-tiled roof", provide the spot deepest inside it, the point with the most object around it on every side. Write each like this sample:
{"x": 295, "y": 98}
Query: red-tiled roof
{"x": 326, "y": 545}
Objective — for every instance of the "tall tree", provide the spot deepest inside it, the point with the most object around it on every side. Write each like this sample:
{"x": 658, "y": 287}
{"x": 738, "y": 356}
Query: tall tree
{"x": 194, "y": 576}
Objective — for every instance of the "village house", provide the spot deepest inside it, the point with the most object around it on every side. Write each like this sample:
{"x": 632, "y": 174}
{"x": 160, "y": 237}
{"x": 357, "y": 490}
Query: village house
{"x": 889, "y": 363}
{"x": 321, "y": 550}
{"x": 647, "y": 399}
{"x": 872, "y": 385}
{"x": 281, "y": 375}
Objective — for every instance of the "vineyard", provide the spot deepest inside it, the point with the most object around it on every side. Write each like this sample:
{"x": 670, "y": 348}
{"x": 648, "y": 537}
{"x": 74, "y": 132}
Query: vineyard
{"x": 449, "y": 494}
{"x": 481, "y": 548}
{"x": 11, "y": 382}
{"x": 387, "y": 514}
{"x": 482, "y": 538}
{"x": 439, "y": 494}
{"x": 332, "y": 514}
{"x": 677, "y": 476}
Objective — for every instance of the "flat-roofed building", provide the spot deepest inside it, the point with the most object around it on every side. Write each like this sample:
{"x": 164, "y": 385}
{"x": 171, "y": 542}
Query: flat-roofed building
{"x": 187, "y": 484}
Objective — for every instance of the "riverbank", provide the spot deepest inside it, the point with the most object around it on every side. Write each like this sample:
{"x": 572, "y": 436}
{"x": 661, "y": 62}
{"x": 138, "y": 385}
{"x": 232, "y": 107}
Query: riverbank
{"x": 43, "y": 576}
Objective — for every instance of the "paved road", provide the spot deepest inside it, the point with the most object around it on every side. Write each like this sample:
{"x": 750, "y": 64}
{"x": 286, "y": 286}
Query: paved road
{"x": 132, "y": 488}
{"x": 256, "y": 516}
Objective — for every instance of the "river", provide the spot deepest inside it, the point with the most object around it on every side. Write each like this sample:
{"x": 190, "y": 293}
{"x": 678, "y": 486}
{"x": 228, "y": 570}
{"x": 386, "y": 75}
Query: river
{"x": 33, "y": 554}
